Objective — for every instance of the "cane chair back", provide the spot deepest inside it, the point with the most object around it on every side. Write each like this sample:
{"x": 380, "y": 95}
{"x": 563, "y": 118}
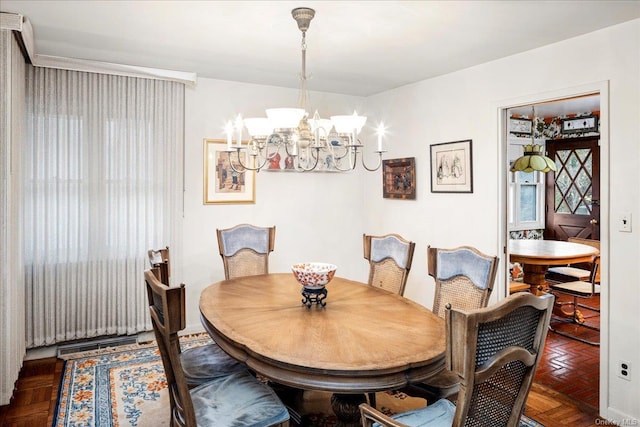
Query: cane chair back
{"x": 236, "y": 399}
{"x": 495, "y": 352}
{"x": 159, "y": 259}
{"x": 245, "y": 249}
{"x": 390, "y": 259}
{"x": 464, "y": 277}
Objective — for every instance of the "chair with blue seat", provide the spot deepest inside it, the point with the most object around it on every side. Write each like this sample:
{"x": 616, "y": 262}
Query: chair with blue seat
{"x": 390, "y": 257}
{"x": 464, "y": 279}
{"x": 495, "y": 352}
{"x": 245, "y": 249}
{"x": 237, "y": 399}
{"x": 202, "y": 363}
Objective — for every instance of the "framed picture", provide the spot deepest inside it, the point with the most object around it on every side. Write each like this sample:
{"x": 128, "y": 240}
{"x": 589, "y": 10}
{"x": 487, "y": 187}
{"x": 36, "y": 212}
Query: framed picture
{"x": 451, "y": 167}
{"x": 579, "y": 124}
{"x": 520, "y": 126}
{"x": 225, "y": 180}
{"x": 399, "y": 178}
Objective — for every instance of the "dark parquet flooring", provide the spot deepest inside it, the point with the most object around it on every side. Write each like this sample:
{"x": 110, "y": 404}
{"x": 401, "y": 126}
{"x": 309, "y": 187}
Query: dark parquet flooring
{"x": 565, "y": 392}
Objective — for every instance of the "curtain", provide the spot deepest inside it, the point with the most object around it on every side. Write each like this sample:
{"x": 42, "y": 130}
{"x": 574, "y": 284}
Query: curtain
{"x": 103, "y": 182}
{"x": 12, "y": 310}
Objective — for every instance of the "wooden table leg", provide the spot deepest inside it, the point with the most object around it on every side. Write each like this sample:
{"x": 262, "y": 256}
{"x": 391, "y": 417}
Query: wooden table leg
{"x": 534, "y": 276}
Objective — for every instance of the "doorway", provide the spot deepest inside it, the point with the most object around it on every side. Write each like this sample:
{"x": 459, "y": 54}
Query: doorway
{"x": 563, "y": 99}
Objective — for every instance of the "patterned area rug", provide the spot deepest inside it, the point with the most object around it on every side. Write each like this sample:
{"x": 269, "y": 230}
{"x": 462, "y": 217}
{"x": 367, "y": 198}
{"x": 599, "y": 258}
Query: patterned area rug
{"x": 126, "y": 386}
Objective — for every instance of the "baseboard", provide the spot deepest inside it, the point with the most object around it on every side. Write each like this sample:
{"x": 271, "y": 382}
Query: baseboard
{"x": 86, "y": 344}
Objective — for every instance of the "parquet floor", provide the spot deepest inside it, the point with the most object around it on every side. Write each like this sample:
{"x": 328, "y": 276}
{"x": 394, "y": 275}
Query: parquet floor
{"x": 572, "y": 367}
{"x": 565, "y": 392}
{"x": 34, "y": 401}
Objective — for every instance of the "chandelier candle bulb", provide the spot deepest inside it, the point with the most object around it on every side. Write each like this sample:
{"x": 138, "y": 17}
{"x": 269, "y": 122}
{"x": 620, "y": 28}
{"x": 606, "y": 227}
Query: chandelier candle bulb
{"x": 380, "y": 133}
{"x": 239, "y": 125}
{"x": 229, "y": 130}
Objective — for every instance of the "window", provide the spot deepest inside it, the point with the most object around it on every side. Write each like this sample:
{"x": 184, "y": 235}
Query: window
{"x": 526, "y": 195}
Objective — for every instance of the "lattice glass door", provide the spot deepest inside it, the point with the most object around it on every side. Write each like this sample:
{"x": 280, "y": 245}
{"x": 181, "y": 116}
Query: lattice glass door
{"x": 573, "y": 192}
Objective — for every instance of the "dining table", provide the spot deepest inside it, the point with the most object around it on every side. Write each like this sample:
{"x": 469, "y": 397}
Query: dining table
{"x": 537, "y": 255}
{"x": 364, "y": 340}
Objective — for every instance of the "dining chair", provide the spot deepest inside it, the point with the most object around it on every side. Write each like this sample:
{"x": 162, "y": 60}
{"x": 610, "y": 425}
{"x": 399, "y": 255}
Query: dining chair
{"x": 390, "y": 258}
{"x": 464, "y": 279}
{"x": 579, "y": 289}
{"x": 236, "y": 399}
{"x": 199, "y": 364}
{"x": 159, "y": 258}
{"x": 495, "y": 352}
{"x": 245, "y": 249}
{"x": 570, "y": 273}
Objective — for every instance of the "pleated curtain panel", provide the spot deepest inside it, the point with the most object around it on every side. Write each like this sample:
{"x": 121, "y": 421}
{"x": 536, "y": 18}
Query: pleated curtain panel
{"x": 12, "y": 310}
{"x": 103, "y": 184}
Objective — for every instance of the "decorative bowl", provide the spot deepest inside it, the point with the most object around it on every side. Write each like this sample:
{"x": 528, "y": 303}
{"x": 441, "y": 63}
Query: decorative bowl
{"x": 313, "y": 275}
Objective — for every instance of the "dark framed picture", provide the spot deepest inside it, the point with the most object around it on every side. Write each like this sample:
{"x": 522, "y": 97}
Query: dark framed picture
{"x": 579, "y": 124}
{"x": 520, "y": 126}
{"x": 452, "y": 167}
{"x": 399, "y": 178}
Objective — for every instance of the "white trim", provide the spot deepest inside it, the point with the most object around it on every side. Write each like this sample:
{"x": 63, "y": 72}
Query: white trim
{"x": 111, "y": 68}
{"x": 502, "y": 106}
{"x": 21, "y": 24}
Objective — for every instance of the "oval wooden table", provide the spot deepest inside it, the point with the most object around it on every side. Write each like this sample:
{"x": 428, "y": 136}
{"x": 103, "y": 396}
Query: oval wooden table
{"x": 364, "y": 340}
{"x": 537, "y": 255}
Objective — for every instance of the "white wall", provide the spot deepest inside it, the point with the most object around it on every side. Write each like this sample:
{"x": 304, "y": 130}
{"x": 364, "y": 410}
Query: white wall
{"x": 462, "y": 105}
{"x": 318, "y": 216}
{"x": 322, "y": 216}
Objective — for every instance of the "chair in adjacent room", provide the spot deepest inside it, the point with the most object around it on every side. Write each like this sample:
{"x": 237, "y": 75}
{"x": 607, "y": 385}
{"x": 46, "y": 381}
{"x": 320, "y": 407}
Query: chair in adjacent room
{"x": 572, "y": 273}
{"x": 577, "y": 290}
{"x": 236, "y": 399}
{"x": 464, "y": 279}
{"x": 159, "y": 258}
{"x": 199, "y": 364}
{"x": 245, "y": 249}
{"x": 390, "y": 258}
{"x": 495, "y": 352}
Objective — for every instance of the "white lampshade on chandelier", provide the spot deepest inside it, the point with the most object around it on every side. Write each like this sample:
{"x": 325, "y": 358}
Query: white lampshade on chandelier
{"x": 308, "y": 143}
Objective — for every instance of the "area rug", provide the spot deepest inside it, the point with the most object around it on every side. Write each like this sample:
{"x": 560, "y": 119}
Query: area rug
{"x": 126, "y": 386}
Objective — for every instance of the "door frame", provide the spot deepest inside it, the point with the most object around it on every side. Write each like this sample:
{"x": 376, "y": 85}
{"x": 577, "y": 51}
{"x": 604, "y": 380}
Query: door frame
{"x": 601, "y": 88}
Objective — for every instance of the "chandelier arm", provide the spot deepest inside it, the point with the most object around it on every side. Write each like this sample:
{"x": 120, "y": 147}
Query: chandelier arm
{"x": 245, "y": 167}
{"x": 352, "y": 165}
{"x": 302, "y": 168}
{"x": 333, "y": 150}
{"x": 364, "y": 165}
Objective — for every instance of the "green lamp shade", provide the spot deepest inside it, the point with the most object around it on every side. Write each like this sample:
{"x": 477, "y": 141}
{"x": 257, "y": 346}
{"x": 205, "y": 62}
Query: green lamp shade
{"x": 533, "y": 160}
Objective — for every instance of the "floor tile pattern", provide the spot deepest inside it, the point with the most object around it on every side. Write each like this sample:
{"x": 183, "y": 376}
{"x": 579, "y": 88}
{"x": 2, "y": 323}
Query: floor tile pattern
{"x": 569, "y": 366}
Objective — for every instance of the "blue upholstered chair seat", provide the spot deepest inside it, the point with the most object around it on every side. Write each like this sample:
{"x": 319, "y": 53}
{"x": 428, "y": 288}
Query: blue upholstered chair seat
{"x": 202, "y": 364}
{"x": 237, "y": 400}
{"x": 440, "y": 414}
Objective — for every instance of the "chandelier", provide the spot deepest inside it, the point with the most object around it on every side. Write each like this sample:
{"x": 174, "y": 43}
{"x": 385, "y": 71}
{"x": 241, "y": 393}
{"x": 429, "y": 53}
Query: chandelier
{"x": 533, "y": 158}
{"x": 289, "y": 139}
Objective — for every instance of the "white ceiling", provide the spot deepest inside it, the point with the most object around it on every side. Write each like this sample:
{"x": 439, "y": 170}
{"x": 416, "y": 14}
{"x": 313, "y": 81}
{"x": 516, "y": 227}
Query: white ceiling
{"x": 354, "y": 47}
